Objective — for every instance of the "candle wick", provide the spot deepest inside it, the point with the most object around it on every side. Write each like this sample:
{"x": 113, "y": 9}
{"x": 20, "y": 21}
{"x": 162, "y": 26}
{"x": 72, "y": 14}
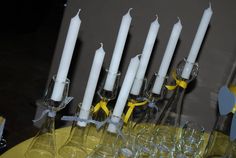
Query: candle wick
{"x": 179, "y": 20}
{"x": 101, "y": 45}
{"x": 210, "y": 4}
{"x": 156, "y": 17}
{"x": 130, "y": 10}
{"x": 78, "y": 12}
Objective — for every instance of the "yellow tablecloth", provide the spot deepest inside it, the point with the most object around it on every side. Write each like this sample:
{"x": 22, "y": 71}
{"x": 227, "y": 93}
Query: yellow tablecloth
{"x": 19, "y": 150}
{"x": 61, "y": 136}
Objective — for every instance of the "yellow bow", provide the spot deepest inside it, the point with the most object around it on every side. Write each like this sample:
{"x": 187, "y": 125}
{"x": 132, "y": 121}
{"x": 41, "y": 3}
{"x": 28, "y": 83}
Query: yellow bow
{"x": 132, "y": 104}
{"x": 101, "y": 104}
{"x": 178, "y": 82}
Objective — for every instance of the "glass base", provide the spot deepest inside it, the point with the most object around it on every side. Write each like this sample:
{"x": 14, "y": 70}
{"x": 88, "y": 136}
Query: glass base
{"x": 34, "y": 153}
{"x": 70, "y": 151}
{"x": 43, "y": 146}
{"x": 218, "y": 143}
{"x": 102, "y": 151}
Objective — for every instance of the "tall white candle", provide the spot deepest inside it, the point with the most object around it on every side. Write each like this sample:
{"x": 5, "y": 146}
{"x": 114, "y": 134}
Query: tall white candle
{"x": 197, "y": 42}
{"x": 91, "y": 85}
{"x": 66, "y": 58}
{"x": 147, "y": 50}
{"x": 124, "y": 93}
{"x": 118, "y": 50}
{"x": 167, "y": 57}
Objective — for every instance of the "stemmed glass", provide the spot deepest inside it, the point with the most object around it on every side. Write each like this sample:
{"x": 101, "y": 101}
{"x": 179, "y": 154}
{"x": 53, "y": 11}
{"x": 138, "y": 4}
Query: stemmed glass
{"x": 191, "y": 141}
{"x": 82, "y": 140}
{"x": 75, "y": 147}
{"x": 110, "y": 142}
{"x": 101, "y": 110}
{"x": 44, "y": 143}
{"x": 168, "y": 123}
{"x": 150, "y": 114}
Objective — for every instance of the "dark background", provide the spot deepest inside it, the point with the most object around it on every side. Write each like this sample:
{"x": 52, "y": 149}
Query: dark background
{"x": 32, "y": 35}
{"x": 28, "y": 34}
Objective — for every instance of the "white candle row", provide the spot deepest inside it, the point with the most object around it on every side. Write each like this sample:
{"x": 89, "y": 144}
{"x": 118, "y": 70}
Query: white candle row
{"x": 136, "y": 70}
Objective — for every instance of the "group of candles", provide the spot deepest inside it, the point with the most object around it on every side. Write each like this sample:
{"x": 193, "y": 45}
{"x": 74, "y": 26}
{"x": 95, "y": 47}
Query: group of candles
{"x": 135, "y": 74}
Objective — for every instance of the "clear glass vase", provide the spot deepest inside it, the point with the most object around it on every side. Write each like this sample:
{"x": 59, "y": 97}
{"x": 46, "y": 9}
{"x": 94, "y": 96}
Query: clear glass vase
{"x": 43, "y": 144}
{"x": 168, "y": 129}
{"x": 231, "y": 150}
{"x": 75, "y": 146}
{"x": 109, "y": 145}
{"x": 101, "y": 111}
{"x": 219, "y": 136}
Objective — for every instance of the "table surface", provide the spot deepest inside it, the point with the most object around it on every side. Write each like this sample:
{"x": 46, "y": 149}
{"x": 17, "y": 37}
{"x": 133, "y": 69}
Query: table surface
{"x": 20, "y": 149}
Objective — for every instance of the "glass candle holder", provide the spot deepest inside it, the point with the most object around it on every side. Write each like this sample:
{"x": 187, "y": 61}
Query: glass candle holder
{"x": 191, "y": 141}
{"x": 168, "y": 130}
{"x": 101, "y": 111}
{"x": 75, "y": 146}
{"x": 43, "y": 144}
{"x": 110, "y": 143}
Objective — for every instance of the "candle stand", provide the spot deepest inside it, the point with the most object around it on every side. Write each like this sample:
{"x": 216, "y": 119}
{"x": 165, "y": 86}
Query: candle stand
{"x": 169, "y": 123}
{"x": 79, "y": 141}
{"x": 44, "y": 143}
{"x": 110, "y": 142}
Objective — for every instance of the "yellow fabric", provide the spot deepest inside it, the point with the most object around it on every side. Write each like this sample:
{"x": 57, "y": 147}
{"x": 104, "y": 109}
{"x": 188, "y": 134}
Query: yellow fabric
{"x": 132, "y": 104}
{"x": 232, "y": 88}
{"x": 61, "y": 137}
{"x": 178, "y": 82}
{"x": 101, "y": 104}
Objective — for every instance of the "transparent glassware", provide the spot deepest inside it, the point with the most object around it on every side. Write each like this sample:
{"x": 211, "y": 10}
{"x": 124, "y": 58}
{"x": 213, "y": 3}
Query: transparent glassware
{"x": 191, "y": 141}
{"x": 100, "y": 114}
{"x": 169, "y": 121}
{"x": 3, "y": 145}
{"x": 129, "y": 147}
{"x": 231, "y": 150}
{"x": 142, "y": 121}
{"x": 110, "y": 143}
{"x": 75, "y": 146}
{"x": 219, "y": 136}
{"x": 43, "y": 144}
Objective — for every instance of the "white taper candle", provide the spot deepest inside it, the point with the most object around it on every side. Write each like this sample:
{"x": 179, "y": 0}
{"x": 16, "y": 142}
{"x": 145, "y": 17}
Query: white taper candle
{"x": 118, "y": 50}
{"x": 91, "y": 85}
{"x": 167, "y": 57}
{"x": 124, "y": 93}
{"x": 147, "y": 50}
{"x": 66, "y": 58}
{"x": 197, "y": 42}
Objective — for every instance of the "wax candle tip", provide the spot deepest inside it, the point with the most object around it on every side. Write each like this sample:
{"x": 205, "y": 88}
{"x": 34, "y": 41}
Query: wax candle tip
{"x": 156, "y": 17}
{"x": 101, "y": 45}
{"x": 78, "y": 11}
{"x": 179, "y": 21}
{"x": 210, "y": 4}
{"x": 130, "y": 10}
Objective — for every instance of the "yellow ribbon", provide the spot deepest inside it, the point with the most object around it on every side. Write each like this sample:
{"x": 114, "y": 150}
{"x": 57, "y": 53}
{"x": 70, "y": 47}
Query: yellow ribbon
{"x": 101, "y": 104}
{"x": 132, "y": 104}
{"x": 178, "y": 82}
{"x": 232, "y": 88}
